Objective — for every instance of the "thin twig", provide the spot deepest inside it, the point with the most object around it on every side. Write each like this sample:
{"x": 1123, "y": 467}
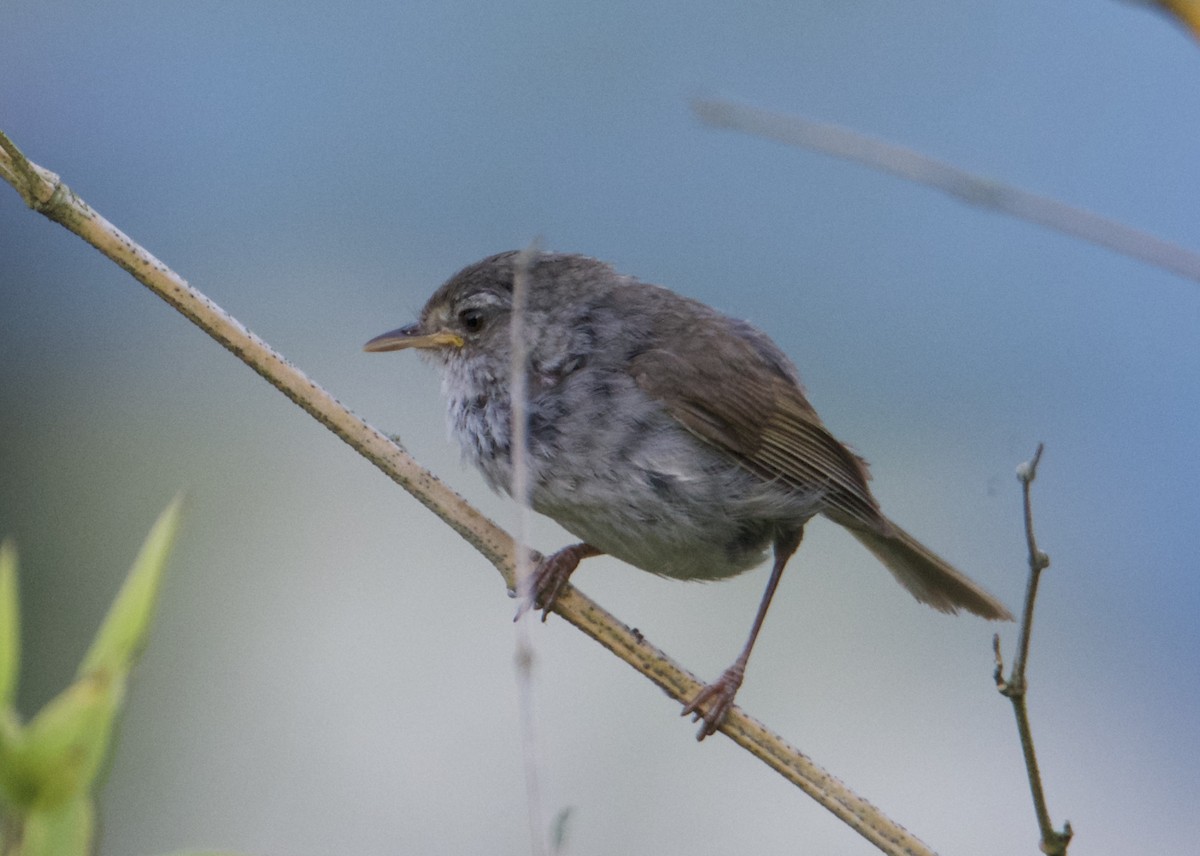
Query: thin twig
{"x": 1054, "y": 843}
{"x": 976, "y": 190}
{"x": 48, "y": 195}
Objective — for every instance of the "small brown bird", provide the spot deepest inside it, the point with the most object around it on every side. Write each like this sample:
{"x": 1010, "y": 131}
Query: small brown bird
{"x": 660, "y": 431}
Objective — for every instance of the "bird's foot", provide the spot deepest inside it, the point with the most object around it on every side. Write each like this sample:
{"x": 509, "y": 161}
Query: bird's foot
{"x": 717, "y": 698}
{"x": 551, "y": 575}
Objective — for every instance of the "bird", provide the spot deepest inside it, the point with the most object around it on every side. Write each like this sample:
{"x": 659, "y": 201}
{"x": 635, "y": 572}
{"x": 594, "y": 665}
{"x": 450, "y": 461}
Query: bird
{"x": 659, "y": 431}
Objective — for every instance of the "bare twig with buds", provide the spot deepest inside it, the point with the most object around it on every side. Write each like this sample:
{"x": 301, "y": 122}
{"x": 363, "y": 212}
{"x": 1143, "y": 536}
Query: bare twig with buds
{"x": 1054, "y": 842}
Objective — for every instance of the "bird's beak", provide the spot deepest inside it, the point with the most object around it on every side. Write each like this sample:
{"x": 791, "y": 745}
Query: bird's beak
{"x": 413, "y": 337}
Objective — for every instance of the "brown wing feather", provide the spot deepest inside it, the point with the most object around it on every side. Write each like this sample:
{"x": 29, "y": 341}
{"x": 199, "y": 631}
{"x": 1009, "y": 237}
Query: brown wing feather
{"x": 761, "y": 417}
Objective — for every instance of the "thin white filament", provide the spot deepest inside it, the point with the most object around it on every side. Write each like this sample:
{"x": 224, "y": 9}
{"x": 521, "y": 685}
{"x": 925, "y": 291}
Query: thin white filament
{"x": 524, "y": 655}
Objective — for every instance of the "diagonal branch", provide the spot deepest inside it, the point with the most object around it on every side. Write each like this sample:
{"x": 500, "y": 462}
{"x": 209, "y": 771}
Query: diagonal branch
{"x": 45, "y": 192}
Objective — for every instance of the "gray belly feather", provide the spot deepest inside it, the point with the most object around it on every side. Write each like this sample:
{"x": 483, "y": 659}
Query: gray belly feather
{"x": 637, "y": 485}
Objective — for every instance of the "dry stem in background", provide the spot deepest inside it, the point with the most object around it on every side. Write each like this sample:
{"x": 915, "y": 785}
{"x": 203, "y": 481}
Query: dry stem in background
{"x": 965, "y": 186}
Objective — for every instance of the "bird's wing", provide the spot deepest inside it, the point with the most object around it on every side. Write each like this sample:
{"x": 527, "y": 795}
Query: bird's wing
{"x": 760, "y": 417}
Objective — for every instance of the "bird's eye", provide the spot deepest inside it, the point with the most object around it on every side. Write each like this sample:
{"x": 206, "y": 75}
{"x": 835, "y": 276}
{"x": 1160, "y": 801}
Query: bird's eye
{"x": 471, "y": 320}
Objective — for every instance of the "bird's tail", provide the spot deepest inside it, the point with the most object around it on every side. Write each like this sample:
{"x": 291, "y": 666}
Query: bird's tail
{"x": 930, "y": 578}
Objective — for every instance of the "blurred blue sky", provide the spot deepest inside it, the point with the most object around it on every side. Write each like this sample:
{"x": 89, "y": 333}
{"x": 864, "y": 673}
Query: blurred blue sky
{"x": 331, "y": 670}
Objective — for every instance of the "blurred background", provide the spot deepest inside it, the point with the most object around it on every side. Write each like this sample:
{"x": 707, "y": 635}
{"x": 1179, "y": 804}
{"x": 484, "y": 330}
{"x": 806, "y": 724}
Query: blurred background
{"x": 331, "y": 669}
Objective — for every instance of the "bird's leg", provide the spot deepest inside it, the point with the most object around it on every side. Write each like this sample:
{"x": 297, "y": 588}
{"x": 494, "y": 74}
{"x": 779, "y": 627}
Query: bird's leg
{"x": 718, "y": 696}
{"x": 551, "y": 575}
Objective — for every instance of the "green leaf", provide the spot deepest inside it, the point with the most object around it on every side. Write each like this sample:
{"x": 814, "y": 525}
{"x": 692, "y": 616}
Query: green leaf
{"x": 123, "y": 633}
{"x": 10, "y": 624}
{"x": 64, "y": 831}
{"x": 12, "y": 734}
{"x": 56, "y": 757}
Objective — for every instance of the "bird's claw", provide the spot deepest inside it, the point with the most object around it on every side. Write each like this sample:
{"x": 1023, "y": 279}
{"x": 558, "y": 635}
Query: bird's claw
{"x": 717, "y": 698}
{"x": 550, "y": 577}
